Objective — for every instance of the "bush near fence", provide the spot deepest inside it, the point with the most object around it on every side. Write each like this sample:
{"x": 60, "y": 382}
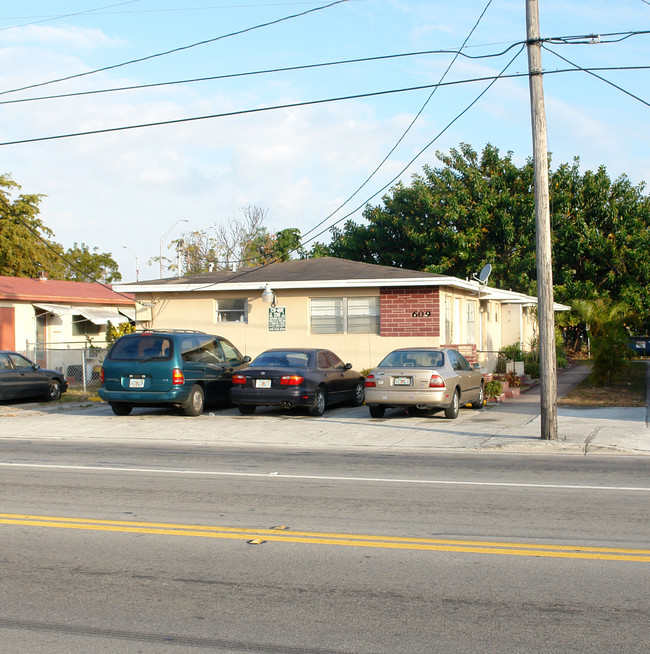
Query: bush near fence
{"x": 80, "y": 366}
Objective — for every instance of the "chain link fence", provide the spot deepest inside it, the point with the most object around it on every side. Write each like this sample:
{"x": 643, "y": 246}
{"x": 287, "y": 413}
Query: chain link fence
{"x": 81, "y": 366}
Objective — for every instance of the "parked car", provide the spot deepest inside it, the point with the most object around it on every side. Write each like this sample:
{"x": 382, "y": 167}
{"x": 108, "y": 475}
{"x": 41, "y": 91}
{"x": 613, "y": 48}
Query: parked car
{"x": 21, "y": 378}
{"x": 301, "y": 377}
{"x": 179, "y": 368}
{"x": 426, "y": 378}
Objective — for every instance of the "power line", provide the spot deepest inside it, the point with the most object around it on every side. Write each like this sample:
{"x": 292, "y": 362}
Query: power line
{"x": 602, "y": 79}
{"x": 306, "y": 103}
{"x": 408, "y": 129}
{"x": 76, "y": 13}
{"x": 402, "y": 171}
{"x": 137, "y": 87}
{"x": 174, "y": 50}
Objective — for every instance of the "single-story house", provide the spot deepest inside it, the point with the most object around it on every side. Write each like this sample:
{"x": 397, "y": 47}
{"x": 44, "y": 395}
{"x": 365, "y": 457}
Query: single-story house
{"x": 360, "y": 311}
{"x": 40, "y": 313}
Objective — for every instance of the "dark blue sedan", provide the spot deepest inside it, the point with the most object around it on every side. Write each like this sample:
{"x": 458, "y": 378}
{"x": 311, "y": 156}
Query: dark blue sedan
{"x": 301, "y": 377}
{"x": 21, "y": 378}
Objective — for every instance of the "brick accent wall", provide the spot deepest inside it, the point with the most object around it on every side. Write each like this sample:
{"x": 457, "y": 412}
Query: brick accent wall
{"x": 397, "y": 307}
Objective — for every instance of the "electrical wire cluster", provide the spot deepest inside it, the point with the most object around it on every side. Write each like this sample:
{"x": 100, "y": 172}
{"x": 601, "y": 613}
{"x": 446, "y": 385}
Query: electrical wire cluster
{"x": 517, "y": 48}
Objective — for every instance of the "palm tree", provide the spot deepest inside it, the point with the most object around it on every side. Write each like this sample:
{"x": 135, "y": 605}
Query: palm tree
{"x": 607, "y": 328}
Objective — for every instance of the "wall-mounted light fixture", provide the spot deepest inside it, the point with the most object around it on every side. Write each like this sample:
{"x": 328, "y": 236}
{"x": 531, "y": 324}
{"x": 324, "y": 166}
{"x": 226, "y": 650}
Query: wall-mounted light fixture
{"x": 268, "y": 296}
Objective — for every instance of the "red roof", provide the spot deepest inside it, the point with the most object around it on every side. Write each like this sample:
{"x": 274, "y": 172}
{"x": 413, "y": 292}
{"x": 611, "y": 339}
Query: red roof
{"x": 58, "y": 291}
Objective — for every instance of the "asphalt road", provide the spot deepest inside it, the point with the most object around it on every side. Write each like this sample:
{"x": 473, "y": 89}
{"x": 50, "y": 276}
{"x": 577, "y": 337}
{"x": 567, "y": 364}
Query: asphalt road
{"x": 111, "y": 547}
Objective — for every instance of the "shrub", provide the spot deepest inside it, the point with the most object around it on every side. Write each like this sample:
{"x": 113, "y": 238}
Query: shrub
{"x": 493, "y": 388}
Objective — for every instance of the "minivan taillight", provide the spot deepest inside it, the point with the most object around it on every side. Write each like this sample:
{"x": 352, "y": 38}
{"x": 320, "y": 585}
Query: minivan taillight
{"x": 436, "y": 381}
{"x": 177, "y": 377}
{"x": 370, "y": 381}
{"x": 102, "y": 376}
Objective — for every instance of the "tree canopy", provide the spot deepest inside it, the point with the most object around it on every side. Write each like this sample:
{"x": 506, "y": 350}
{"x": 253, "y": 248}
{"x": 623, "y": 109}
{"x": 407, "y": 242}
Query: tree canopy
{"x": 27, "y": 248}
{"x": 479, "y": 208}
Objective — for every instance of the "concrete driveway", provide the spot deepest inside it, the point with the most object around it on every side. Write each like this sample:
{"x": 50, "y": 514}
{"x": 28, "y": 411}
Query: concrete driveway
{"x": 512, "y": 426}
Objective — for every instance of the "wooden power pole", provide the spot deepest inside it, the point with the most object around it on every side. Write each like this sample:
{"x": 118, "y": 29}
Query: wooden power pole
{"x": 548, "y": 365}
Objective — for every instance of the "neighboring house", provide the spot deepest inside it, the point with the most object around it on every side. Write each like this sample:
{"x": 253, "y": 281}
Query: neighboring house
{"x": 40, "y": 313}
{"x": 360, "y": 311}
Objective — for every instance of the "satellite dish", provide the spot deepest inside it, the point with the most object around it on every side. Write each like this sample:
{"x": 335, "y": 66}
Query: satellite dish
{"x": 485, "y": 273}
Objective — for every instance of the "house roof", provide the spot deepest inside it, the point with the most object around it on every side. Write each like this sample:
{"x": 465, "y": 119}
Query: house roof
{"x": 25, "y": 289}
{"x": 322, "y": 272}
{"x": 300, "y": 273}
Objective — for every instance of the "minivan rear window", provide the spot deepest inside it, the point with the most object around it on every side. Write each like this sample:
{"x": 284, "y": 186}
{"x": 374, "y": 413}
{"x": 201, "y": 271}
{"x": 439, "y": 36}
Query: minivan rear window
{"x": 141, "y": 348}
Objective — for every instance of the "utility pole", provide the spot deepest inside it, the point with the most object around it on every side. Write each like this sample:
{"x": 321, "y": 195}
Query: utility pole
{"x": 548, "y": 365}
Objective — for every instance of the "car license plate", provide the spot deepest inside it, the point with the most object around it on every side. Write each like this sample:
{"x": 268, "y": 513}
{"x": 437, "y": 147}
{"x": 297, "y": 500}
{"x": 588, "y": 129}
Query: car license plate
{"x": 136, "y": 383}
{"x": 262, "y": 383}
{"x": 401, "y": 381}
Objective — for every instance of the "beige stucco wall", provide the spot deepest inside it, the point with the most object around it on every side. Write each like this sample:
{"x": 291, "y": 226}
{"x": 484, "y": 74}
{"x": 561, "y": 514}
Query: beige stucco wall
{"x": 497, "y": 324}
{"x": 58, "y": 328}
{"x": 198, "y": 311}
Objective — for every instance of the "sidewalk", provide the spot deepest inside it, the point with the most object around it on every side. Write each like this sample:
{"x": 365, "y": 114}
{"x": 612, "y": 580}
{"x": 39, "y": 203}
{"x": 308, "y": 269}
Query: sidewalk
{"x": 615, "y": 430}
{"x": 510, "y": 426}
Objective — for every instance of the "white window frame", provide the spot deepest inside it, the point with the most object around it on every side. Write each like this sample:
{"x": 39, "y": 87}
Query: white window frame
{"x": 344, "y": 315}
{"x": 226, "y": 314}
{"x": 470, "y": 313}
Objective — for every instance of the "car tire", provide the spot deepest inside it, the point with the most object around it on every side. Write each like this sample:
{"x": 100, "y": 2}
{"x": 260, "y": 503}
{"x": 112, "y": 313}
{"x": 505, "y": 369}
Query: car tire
{"x": 246, "y": 409}
{"x": 480, "y": 401}
{"x": 377, "y": 410}
{"x": 121, "y": 408}
{"x": 359, "y": 394}
{"x": 53, "y": 390}
{"x": 319, "y": 403}
{"x": 193, "y": 406}
{"x": 451, "y": 412}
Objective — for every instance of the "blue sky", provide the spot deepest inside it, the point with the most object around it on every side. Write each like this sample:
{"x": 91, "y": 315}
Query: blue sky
{"x": 299, "y": 164}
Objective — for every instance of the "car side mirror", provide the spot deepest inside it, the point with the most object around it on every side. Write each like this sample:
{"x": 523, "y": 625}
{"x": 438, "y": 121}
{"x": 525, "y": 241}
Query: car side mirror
{"x": 247, "y": 359}
{"x": 348, "y": 366}
{"x": 476, "y": 366}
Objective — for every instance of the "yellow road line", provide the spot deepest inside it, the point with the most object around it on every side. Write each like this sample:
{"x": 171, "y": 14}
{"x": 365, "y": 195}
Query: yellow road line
{"x": 350, "y": 540}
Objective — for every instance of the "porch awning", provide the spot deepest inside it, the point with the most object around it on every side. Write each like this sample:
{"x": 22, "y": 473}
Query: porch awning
{"x": 129, "y": 313}
{"x": 56, "y": 309}
{"x": 98, "y": 316}
{"x": 101, "y": 316}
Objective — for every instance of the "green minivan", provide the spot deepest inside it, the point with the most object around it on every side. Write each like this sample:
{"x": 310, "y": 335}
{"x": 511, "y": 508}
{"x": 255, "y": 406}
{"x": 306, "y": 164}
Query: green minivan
{"x": 180, "y": 368}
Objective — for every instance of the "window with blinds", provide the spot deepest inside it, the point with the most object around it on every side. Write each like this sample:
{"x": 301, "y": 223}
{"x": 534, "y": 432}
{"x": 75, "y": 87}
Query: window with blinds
{"x": 339, "y": 315}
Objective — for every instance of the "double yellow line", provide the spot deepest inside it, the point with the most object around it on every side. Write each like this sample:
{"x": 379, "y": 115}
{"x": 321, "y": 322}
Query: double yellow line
{"x": 283, "y": 535}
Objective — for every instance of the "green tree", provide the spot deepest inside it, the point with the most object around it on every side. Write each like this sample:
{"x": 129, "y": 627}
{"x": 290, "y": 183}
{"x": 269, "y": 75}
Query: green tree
{"x": 607, "y": 325}
{"x": 477, "y": 209}
{"x": 82, "y": 265}
{"x": 26, "y": 248}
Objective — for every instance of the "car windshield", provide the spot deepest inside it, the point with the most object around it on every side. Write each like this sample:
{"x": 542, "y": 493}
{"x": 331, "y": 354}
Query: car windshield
{"x": 140, "y": 348}
{"x": 414, "y": 359}
{"x": 282, "y": 359}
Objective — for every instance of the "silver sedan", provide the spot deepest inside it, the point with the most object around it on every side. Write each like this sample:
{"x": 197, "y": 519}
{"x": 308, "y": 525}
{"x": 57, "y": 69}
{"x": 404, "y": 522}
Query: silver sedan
{"x": 426, "y": 378}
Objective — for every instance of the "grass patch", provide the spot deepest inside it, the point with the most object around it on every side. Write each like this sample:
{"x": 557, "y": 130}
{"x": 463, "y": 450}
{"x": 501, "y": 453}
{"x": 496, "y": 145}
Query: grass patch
{"x": 628, "y": 390}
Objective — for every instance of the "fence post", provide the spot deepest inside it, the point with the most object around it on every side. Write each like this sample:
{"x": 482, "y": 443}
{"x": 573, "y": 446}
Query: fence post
{"x": 83, "y": 367}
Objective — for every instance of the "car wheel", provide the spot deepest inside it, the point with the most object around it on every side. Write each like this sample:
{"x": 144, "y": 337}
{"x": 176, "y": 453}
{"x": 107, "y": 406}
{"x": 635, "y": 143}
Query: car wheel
{"x": 121, "y": 409}
{"x": 193, "y": 406}
{"x": 377, "y": 411}
{"x": 359, "y": 394}
{"x": 480, "y": 401}
{"x": 319, "y": 403}
{"x": 246, "y": 409}
{"x": 54, "y": 390}
{"x": 451, "y": 412}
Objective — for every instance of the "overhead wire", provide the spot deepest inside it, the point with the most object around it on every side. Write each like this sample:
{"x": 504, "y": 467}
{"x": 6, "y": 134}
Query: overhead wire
{"x": 175, "y": 50}
{"x": 600, "y": 77}
{"x": 138, "y": 87}
{"x": 247, "y": 271}
{"x": 408, "y": 129}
